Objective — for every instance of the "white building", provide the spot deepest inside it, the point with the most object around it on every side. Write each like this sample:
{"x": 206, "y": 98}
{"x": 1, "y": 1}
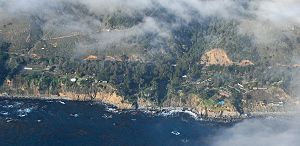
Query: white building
{"x": 73, "y": 80}
{"x": 28, "y": 68}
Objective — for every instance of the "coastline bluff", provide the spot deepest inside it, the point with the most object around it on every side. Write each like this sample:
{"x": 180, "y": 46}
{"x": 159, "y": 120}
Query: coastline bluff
{"x": 105, "y": 93}
{"x": 106, "y": 97}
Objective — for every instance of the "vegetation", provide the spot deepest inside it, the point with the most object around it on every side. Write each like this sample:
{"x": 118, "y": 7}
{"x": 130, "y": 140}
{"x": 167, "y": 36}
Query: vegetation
{"x": 3, "y": 61}
{"x": 158, "y": 75}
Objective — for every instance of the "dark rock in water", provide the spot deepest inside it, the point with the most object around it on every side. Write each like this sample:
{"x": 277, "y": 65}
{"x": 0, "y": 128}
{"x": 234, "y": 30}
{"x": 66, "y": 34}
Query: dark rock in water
{"x": 136, "y": 105}
{"x": 175, "y": 133}
{"x": 74, "y": 115}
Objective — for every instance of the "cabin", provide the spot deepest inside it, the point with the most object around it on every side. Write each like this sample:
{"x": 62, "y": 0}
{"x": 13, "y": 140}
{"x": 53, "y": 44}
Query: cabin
{"x": 28, "y": 68}
{"x": 276, "y": 104}
{"x": 73, "y": 80}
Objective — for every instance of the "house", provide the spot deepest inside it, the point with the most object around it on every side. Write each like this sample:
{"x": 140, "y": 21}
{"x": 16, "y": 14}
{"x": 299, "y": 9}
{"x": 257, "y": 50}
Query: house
{"x": 48, "y": 68}
{"x": 28, "y": 68}
{"x": 73, "y": 80}
{"x": 278, "y": 104}
{"x": 240, "y": 85}
{"x": 258, "y": 88}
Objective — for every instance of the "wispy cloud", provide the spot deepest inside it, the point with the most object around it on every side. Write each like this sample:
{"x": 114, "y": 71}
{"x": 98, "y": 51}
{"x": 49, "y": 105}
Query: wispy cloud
{"x": 265, "y": 20}
{"x": 267, "y": 132}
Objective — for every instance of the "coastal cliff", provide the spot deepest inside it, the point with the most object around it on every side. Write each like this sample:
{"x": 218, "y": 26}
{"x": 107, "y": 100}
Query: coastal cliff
{"x": 225, "y": 101}
{"x": 107, "y": 95}
{"x": 255, "y": 101}
{"x": 208, "y": 66}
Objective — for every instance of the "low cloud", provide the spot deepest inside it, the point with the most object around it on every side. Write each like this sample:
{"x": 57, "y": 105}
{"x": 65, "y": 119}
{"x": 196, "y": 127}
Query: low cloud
{"x": 279, "y": 13}
{"x": 271, "y": 20}
{"x": 262, "y": 132}
{"x": 267, "y": 20}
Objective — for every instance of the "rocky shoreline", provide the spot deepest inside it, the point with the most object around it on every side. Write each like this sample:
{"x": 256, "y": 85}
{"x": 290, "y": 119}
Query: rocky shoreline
{"x": 169, "y": 111}
{"x": 4, "y": 96}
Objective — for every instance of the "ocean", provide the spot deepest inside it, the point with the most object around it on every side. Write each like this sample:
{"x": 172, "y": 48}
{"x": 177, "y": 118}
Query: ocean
{"x": 72, "y": 123}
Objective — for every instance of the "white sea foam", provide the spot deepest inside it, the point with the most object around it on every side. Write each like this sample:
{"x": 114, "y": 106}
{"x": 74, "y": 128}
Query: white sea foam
{"x": 22, "y": 115}
{"x": 175, "y": 111}
{"x": 184, "y": 140}
{"x": 8, "y": 106}
{"x": 74, "y": 115}
{"x": 24, "y": 112}
{"x": 9, "y": 120}
{"x": 113, "y": 110}
{"x": 15, "y": 104}
{"x": 107, "y": 116}
{"x": 194, "y": 115}
{"x": 149, "y": 111}
{"x": 175, "y": 133}
{"x": 61, "y": 102}
{"x": 4, "y": 113}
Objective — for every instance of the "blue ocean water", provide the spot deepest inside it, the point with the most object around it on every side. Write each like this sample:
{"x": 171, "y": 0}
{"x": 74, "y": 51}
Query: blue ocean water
{"x": 71, "y": 123}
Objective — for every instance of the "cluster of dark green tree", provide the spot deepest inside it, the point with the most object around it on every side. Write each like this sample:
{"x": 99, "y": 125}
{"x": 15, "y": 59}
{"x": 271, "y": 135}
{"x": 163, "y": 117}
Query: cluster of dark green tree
{"x": 3, "y": 61}
{"x": 176, "y": 69}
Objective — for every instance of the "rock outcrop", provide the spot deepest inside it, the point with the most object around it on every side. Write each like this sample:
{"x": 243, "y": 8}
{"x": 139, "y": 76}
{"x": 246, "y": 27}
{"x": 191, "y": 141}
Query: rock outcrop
{"x": 91, "y": 57}
{"x": 216, "y": 57}
{"x": 105, "y": 97}
{"x": 220, "y": 57}
{"x": 245, "y": 63}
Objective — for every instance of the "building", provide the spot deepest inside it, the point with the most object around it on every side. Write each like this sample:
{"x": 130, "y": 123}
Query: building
{"x": 73, "y": 80}
{"x": 28, "y": 68}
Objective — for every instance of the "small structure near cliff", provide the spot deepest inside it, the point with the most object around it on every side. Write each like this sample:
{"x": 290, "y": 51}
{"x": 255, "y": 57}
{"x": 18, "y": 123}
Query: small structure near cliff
{"x": 216, "y": 57}
{"x": 73, "y": 80}
{"x": 28, "y": 68}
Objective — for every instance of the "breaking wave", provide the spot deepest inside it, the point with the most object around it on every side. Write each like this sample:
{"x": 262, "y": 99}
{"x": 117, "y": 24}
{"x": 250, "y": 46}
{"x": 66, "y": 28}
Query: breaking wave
{"x": 168, "y": 113}
{"x": 25, "y": 111}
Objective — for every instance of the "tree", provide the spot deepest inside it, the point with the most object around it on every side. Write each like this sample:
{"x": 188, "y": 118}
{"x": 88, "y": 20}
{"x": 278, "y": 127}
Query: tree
{"x": 4, "y": 70}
